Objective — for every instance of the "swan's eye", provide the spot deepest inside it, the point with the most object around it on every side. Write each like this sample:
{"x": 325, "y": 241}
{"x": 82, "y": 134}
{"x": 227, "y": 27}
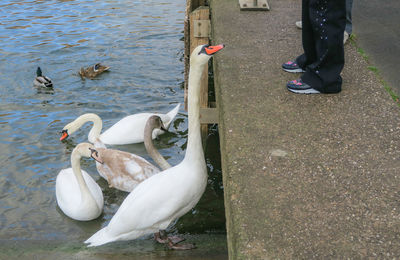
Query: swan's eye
{"x": 93, "y": 151}
{"x": 203, "y": 49}
{"x": 64, "y": 134}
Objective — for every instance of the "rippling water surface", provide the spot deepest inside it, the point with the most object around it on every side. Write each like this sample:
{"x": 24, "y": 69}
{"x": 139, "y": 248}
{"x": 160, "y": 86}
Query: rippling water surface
{"x": 142, "y": 43}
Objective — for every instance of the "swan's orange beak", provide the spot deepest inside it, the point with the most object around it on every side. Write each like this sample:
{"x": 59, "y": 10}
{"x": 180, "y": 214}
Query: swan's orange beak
{"x": 64, "y": 135}
{"x": 210, "y": 50}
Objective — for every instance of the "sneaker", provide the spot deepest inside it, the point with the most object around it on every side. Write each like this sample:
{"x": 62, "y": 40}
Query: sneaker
{"x": 299, "y": 25}
{"x": 299, "y": 87}
{"x": 291, "y": 66}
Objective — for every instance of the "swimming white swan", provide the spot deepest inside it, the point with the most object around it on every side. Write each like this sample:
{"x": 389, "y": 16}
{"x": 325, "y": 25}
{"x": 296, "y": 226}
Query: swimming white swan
{"x": 166, "y": 196}
{"x": 123, "y": 170}
{"x": 78, "y": 195}
{"x": 128, "y": 130}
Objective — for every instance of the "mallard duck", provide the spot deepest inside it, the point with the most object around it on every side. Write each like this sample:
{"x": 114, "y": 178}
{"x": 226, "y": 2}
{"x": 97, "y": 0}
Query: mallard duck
{"x": 159, "y": 200}
{"x": 93, "y": 71}
{"x": 42, "y": 81}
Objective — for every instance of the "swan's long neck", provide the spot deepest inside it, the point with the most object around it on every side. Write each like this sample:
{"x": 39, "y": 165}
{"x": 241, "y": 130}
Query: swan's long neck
{"x": 94, "y": 133}
{"x": 194, "y": 149}
{"x": 151, "y": 150}
{"x": 76, "y": 168}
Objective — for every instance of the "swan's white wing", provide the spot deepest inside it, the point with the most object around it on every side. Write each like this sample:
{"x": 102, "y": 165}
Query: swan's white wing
{"x": 169, "y": 117}
{"x": 94, "y": 189}
{"x": 68, "y": 193}
{"x": 67, "y": 189}
{"x": 166, "y": 119}
{"x": 128, "y": 130}
{"x": 156, "y": 201}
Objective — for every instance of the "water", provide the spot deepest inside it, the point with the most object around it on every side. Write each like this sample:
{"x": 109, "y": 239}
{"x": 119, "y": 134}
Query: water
{"x": 142, "y": 43}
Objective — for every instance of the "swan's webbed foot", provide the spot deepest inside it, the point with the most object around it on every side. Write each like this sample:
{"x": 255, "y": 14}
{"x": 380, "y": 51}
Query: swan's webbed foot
{"x": 175, "y": 239}
{"x": 174, "y": 246}
{"x": 162, "y": 238}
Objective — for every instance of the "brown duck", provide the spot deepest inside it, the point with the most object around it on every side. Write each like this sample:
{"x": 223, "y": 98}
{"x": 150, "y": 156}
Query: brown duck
{"x": 92, "y": 71}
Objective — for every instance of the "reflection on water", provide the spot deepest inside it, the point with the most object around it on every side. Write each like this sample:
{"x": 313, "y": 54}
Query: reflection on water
{"x": 140, "y": 41}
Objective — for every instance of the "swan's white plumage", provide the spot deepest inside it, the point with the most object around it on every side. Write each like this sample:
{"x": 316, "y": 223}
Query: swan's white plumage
{"x": 122, "y": 170}
{"x": 67, "y": 184}
{"x": 149, "y": 208}
{"x": 79, "y": 203}
{"x": 166, "y": 196}
{"x": 128, "y": 130}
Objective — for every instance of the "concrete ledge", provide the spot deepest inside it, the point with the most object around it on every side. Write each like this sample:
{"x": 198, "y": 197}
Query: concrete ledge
{"x": 305, "y": 176}
{"x": 211, "y": 247}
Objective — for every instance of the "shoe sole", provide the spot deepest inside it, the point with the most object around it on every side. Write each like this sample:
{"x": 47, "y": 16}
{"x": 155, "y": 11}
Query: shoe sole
{"x": 294, "y": 70}
{"x": 304, "y": 91}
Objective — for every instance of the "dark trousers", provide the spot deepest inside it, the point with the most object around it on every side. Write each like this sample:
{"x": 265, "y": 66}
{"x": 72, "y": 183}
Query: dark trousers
{"x": 349, "y": 22}
{"x": 322, "y": 34}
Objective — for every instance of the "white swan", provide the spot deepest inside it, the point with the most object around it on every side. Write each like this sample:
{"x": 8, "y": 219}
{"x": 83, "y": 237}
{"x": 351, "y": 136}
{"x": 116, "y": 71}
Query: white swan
{"x": 78, "y": 195}
{"x": 128, "y": 130}
{"x": 123, "y": 170}
{"x": 166, "y": 196}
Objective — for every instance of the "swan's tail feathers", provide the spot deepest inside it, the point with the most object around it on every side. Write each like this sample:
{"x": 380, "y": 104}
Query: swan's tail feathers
{"x": 99, "y": 238}
{"x": 102, "y": 236}
{"x": 172, "y": 114}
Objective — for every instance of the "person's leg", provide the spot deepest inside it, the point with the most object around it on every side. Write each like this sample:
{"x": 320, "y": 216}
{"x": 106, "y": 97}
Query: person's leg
{"x": 323, "y": 44}
{"x": 349, "y": 25}
{"x": 307, "y": 37}
{"x": 310, "y": 55}
{"x": 299, "y": 64}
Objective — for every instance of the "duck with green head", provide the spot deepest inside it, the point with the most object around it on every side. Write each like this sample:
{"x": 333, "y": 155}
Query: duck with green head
{"x": 41, "y": 80}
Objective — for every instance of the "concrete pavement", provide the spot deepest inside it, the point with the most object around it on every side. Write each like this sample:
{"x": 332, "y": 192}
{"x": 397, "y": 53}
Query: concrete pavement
{"x": 376, "y": 24}
{"x": 305, "y": 176}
